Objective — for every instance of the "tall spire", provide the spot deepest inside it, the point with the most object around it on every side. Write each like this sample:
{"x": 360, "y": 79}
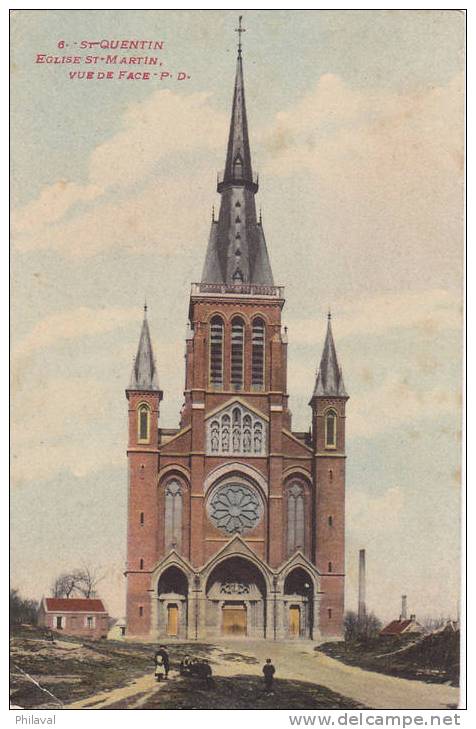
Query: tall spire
{"x": 329, "y": 380}
{"x": 238, "y": 156}
{"x": 237, "y": 251}
{"x": 144, "y": 370}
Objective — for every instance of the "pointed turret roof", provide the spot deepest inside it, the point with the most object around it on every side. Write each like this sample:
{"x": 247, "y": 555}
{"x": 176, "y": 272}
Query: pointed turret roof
{"x": 237, "y": 251}
{"x": 238, "y": 155}
{"x": 329, "y": 380}
{"x": 144, "y": 370}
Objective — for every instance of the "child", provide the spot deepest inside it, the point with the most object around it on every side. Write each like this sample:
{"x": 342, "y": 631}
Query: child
{"x": 159, "y": 667}
{"x": 268, "y": 671}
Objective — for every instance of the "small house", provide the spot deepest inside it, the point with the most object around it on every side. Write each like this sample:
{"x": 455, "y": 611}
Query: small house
{"x": 80, "y": 616}
{"x": 403, "y": 626}
{"x": 117, "y": 629}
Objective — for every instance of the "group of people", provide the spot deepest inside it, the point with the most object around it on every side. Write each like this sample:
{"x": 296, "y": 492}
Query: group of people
{"x": 200, "y": 668}
{"x": 197, "y": 668}
{"x": 188, "y": 667}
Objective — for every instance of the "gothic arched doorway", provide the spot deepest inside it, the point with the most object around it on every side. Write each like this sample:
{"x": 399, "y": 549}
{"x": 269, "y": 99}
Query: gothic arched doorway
{"x": 172, "y": 593}
{"x": 298, "y": 604}
{"x": 236, "y": 600}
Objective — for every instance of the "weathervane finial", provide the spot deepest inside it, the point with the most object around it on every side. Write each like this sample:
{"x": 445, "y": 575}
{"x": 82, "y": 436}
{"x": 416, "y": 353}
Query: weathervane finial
{"x": 239, "y": 30}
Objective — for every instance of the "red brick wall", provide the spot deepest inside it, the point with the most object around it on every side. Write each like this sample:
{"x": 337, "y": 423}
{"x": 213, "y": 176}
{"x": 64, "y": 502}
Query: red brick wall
{"x": 200, "y": 539}
{"x": 74, "y": 624}
{"x": 142, "y": 539}
{"x": 333, "y": 600}
{"x": 138, "y": 584}
{"x": 330, "y": 502}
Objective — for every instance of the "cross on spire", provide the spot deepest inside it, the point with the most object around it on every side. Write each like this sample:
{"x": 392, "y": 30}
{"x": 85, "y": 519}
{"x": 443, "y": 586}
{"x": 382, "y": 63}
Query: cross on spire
{"x": 239, "y": 30}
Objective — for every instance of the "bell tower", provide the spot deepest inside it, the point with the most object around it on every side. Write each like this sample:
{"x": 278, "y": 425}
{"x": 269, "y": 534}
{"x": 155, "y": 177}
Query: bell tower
{"x": 144, "y": 396}
{"x": 328, "y": 403}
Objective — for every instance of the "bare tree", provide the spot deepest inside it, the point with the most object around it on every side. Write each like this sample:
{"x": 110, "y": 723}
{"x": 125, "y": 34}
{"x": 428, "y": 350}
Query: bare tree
{"x": 431, "y": 623}
{"x": 81, "y": 581}
{"x": 65, "y": 584}
{"x": 88, "y": 579}
{"x": 363, "y": 629}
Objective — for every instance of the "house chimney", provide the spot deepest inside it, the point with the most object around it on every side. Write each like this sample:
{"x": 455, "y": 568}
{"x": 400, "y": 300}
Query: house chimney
{"x": 403, "y": 615}
{"x": 361, "y": 607}
{"x": 413, "y": 617}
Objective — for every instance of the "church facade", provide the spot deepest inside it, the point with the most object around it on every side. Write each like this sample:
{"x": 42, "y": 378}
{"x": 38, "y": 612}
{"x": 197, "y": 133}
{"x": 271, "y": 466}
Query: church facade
{"x": 235, "y": 521}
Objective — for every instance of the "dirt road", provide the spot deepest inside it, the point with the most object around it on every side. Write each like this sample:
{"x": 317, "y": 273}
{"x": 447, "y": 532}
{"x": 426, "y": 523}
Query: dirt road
{"x": 297, "y": 661}
{"x": 301, "y": 661}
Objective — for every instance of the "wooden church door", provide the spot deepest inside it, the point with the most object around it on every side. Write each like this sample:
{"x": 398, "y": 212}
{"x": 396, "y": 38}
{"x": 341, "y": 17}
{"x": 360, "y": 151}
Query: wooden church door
{"x": 294, "y": 621}
{"x": 172, "y": 620}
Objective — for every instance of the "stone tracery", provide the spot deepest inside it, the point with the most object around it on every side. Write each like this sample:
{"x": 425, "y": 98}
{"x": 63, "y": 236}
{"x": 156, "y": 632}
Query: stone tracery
{"x": 236, "y": 430}
{"x": 235, "y": 508}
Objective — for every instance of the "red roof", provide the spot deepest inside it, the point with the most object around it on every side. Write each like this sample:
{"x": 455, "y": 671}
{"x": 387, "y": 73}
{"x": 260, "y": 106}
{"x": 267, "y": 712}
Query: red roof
{"x": 74, "y": 604}
{"x": 395, "y": 627}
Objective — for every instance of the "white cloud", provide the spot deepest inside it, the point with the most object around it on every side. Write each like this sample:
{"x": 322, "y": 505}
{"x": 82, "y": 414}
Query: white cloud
{"x": 153, "y": 129}
{"x": 428, "y": 311}
{"x": 52, "y": 204}
{"x": 395, "y": 402}
{"x": 56, "y": 429}
{"x": 162, "y": 125}
{"x": 72, "y": 324}
{"x": 380, "y": 180}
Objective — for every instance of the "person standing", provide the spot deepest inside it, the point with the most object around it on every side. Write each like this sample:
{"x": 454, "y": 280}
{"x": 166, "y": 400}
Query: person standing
{"x": 159, "y": 667}
{"x": 206, "y": 673}
{"x": 165, "y": 657}
{"x": 268, "y": 672}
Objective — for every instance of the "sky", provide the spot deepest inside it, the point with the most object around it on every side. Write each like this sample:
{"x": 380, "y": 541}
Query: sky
{"x": 356, "y": 122}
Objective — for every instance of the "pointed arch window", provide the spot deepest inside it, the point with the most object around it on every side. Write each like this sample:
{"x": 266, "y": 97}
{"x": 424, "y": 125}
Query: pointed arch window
{"x": 331, "y": 429}
{"x": 173, "y": 515}
{"x": 216, "y": 352}
{"x": 238, "y": 167}
{"x": 143, "y": 423}
{"x": 236, "y": 438}
{"x": 237, "y": 347}
{"x": 257, "y": 354}
{"x": 295, "y": 517}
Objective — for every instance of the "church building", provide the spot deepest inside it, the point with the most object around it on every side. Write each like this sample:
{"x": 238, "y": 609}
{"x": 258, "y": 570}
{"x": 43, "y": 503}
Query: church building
{"x": 235, "y": 521}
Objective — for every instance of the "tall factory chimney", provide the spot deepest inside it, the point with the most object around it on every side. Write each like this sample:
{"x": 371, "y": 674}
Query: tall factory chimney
{"x": 361, "y": 608}
{"x": 403, "y": 615}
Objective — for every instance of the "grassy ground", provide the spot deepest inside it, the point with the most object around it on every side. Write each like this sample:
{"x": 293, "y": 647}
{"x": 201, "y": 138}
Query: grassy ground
{"x": 433, "y": 658}
{"x": 72, "y": 670}
{"x": 242, "y": 692}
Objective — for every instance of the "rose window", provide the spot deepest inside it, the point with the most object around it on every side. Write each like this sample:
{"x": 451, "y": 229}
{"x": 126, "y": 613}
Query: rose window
{"x": 235, "y": 508}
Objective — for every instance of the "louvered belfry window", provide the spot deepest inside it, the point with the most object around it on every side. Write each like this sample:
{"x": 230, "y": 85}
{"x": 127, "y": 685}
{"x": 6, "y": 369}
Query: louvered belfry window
{"x": 216, "y": 352}
{"x": 144, "y": 423}
{"x": 257, "y": 355}
{"x": 237, "y": 346}
{"x": 331, "y": 429}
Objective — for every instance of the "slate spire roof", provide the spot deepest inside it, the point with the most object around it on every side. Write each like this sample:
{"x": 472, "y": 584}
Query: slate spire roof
{"x": 238, "y": 155}
{"x": 329, "y": 380}
{"x": 237, "y": 251}
{"x": 144, "y": 370}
